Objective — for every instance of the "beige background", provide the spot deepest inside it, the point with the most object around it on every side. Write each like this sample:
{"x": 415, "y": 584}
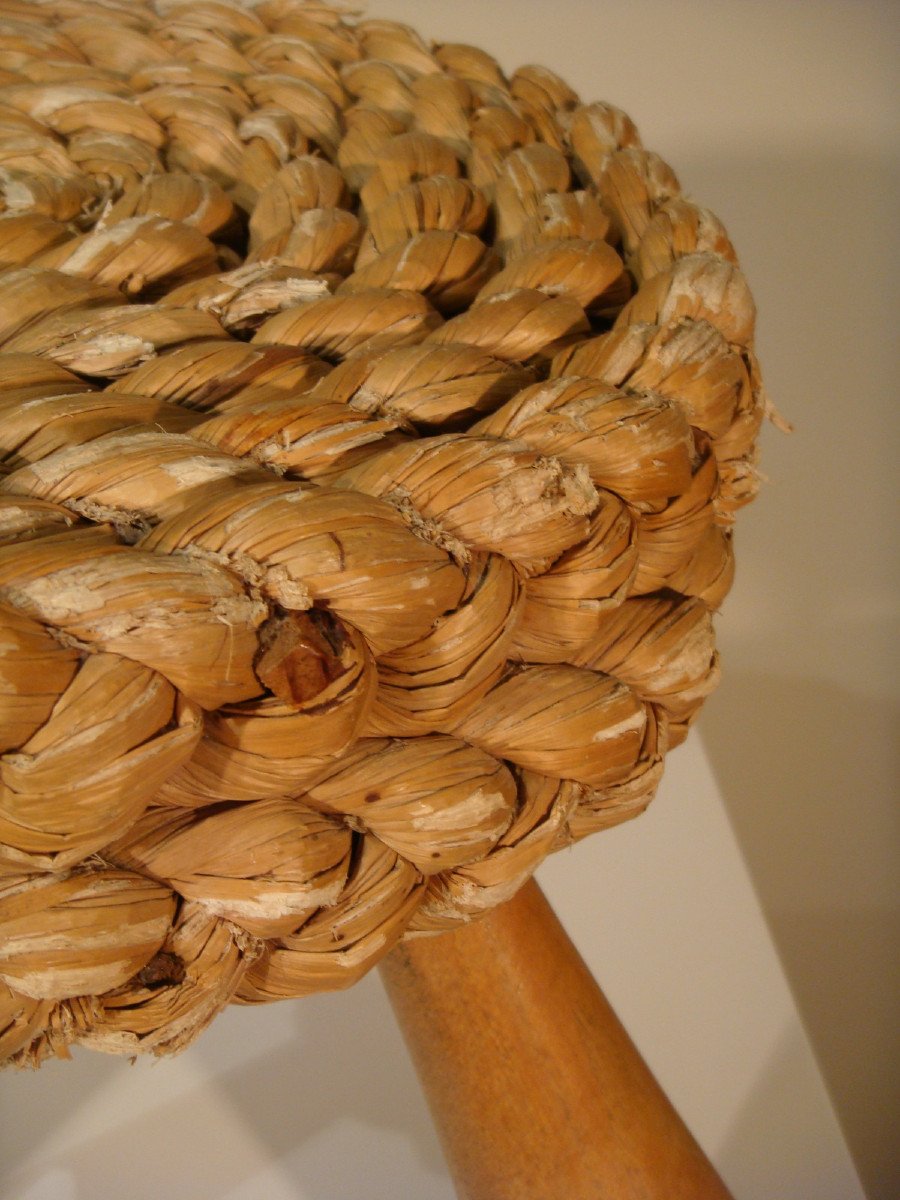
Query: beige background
{"x": 747, "y": 927}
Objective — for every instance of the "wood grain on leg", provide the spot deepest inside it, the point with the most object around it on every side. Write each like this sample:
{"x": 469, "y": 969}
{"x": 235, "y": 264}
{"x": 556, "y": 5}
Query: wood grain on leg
{"x": 537, "y": 1091}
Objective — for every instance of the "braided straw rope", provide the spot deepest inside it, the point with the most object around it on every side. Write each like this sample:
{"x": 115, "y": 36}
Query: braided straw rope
{"x": 373, "y": 426}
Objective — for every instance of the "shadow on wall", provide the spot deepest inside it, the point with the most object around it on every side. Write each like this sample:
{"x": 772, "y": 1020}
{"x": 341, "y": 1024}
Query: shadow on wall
{"x": 346, "y": 1071}
{"x": 774, "y": 1106}
{"x": 800, "y": 765}
{"x": 331, "y": 1110}
{"x": 800, "y": 734}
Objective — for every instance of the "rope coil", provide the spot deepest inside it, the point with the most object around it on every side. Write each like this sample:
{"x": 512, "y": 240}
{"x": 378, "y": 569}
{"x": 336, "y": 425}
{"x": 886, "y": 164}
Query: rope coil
{"x": 373, "y": 428}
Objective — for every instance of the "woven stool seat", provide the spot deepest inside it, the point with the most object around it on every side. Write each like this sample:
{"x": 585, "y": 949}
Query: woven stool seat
{"x": 373, "y": 426}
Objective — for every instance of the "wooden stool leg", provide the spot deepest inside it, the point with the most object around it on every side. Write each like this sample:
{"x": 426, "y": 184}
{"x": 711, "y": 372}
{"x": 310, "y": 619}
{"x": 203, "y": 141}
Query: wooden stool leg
{"x": 537, "y": 1091}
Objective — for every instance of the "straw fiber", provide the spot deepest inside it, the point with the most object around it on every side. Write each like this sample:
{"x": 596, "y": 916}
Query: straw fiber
{"x": 372, "y": 428}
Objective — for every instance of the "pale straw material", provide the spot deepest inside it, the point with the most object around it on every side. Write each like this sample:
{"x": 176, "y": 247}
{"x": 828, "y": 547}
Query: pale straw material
{"x": 373, "y": 426}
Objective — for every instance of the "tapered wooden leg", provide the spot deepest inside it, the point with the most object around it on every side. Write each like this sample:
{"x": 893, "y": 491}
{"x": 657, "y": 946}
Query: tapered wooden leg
{"x": 537, "y": 1091}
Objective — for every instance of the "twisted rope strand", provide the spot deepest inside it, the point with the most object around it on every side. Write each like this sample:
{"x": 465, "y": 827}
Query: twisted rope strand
{"x": 373, "y": 428}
